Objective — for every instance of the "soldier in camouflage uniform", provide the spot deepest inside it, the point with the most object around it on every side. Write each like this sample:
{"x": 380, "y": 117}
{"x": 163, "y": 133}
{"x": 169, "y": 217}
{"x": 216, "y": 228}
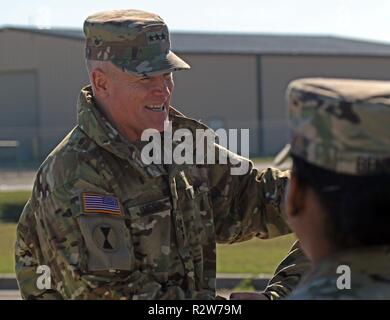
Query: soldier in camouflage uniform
{"x": 338, "y": 201}
{"x": 110, "y": 226}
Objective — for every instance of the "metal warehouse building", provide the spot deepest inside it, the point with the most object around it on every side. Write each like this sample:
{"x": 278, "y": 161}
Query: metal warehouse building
{"x": 236, "y": 81}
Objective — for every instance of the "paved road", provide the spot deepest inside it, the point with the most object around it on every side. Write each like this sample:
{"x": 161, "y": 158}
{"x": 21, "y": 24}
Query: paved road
{"x": 11, "y": 180}
{"x": 9, "y": 295}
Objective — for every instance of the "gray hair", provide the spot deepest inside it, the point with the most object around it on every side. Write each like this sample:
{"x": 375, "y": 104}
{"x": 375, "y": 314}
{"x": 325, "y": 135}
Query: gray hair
{"x": 105, "y": 66}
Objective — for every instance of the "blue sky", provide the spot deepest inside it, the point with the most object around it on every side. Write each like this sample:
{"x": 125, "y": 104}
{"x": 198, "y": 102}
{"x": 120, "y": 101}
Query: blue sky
{"x": 362, "y": 19}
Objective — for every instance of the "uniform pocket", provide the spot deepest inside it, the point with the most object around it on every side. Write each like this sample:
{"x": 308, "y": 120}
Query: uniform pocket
{"x": 108, "y": 242}
{"x": 151, "y": 233}
{"x": 205, "y": 218}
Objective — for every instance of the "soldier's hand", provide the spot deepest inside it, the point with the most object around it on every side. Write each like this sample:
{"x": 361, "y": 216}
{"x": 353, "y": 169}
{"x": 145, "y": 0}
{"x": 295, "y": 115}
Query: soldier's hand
{"x": 248, "y": 296}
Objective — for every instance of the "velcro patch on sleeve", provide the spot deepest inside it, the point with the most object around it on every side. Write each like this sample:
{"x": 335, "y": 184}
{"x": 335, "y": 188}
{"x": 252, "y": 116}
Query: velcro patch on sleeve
{"x": 101, "y": 203}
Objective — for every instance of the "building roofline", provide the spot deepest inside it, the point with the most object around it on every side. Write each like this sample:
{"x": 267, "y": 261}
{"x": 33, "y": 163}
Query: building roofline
{"x": 246, "y": 43}
{"x": 58, "y": 33}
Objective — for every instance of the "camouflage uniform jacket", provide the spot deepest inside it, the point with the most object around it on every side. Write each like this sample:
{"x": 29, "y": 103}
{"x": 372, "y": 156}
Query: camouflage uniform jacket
{"x": 160, "y": 243}
{"x": 369, "y": 276}
{"x": 289, "y": 273}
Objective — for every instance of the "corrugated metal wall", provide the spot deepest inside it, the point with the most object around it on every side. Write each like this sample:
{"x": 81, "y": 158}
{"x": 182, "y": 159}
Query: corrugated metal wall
{"x": 220, "y": 90}
{"x": 58, "y": 66}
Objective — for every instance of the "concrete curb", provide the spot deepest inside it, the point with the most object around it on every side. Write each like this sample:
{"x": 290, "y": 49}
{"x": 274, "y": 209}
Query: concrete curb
{"x": 224, "y": 281}
{"x": 231, "y": 281}
{"x": 8, "y": 282}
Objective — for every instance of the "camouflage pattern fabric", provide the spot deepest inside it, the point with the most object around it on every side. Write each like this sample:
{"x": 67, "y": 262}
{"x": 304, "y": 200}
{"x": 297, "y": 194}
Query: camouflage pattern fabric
{"x": 288, "y": 274}
{"x": 136, "y": 41}
{"x": 160, "y": 243}
{"x": 341, "y": 124}
{"x": 370, "y": 276}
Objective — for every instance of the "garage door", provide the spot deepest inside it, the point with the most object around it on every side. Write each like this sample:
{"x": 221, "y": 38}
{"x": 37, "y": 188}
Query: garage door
{"x": 18, "y": 116}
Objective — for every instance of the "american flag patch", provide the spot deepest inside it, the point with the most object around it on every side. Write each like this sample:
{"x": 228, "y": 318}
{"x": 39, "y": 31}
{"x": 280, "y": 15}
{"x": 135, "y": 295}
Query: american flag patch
{"x": 100, "y": 203}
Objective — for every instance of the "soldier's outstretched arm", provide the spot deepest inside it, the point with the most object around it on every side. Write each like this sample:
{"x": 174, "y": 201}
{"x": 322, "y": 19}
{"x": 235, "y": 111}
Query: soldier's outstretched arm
{"x": 286, "y": 278}
{"x": 288, "y": 274}
{"x": 89, "y": 254}
{"x": 248, "y": 204}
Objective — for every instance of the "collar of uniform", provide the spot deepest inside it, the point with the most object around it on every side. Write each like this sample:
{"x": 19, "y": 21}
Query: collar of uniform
{"x": 180, "y": 121}
{"x": 367, "y": 259}
{"x": 91, "y": 120}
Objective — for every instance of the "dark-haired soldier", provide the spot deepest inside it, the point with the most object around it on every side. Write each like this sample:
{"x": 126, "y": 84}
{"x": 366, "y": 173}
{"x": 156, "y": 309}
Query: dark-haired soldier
{"x": 338, "y": 201}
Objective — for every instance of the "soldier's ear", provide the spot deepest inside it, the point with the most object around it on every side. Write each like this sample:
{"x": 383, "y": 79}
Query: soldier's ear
{"x": 99, "y": 83}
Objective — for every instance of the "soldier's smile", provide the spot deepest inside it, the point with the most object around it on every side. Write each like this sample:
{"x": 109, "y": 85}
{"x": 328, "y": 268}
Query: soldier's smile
{"x": 156, "y": 108}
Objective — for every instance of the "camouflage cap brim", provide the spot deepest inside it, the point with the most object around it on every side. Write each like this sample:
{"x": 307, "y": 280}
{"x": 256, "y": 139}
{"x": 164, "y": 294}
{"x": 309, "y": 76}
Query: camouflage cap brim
{"x": 161, "y": 64}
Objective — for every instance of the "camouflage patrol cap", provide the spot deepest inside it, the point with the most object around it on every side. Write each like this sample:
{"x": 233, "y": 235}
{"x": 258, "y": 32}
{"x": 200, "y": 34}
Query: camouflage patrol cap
{"x": 341, "y": 125}
{"x": 136, "y": 41}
